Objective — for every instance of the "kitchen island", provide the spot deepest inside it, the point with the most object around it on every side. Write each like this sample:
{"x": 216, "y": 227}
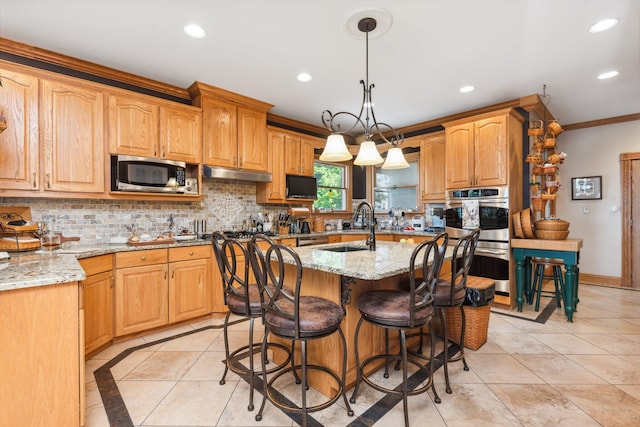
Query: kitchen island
{"x": 342, "y": 277}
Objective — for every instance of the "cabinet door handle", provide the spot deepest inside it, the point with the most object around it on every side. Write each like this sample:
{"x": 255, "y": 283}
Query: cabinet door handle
{"x": 35, "y": 176}
{"x": 48, "y": 180}
{"x": 173, "y": 274}
{"x": 165, "y": 273}
{"x": 143, "y": 257}
{"x": 191, "y": 253}
{"x": 111, "y": 280}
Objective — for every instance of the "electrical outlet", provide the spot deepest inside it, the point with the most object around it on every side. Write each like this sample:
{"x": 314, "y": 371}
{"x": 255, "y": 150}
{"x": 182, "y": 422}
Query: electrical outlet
{"x": 585, "y": 210}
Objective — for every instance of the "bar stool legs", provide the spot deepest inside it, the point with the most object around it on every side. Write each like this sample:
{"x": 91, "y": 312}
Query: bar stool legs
{"x": 538, "y": 282}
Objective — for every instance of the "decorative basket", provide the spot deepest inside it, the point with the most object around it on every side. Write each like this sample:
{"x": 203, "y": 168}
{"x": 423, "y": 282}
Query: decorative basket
{"x": 537, "y": 170}
{"x": 549, "y": 170}
{"x": 552, "y": 225}
{"x": 533, "y": 158}
{"x": 537, "y": 204}
{"x": 549, "y": 142}
{"x": 552, "y": 235}
{"x": 548, "y": 196}
{"x": 476, "y": 325}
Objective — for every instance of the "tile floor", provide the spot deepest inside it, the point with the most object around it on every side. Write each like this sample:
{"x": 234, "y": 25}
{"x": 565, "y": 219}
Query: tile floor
{"x": 585, "y": 373}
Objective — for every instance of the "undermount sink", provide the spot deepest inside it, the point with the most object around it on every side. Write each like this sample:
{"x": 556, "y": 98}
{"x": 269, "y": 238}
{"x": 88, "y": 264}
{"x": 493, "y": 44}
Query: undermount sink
{"x": 345, "y": 249}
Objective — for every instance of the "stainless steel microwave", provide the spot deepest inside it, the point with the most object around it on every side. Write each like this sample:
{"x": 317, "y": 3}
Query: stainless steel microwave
{"x": 142, "y": 174}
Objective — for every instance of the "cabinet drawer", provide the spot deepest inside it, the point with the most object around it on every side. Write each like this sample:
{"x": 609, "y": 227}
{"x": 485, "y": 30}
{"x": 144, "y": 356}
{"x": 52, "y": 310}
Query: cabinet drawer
{"x": 97, "y": 264}
{"x": 140, "y": 258}
{"x": 189, "y": 252}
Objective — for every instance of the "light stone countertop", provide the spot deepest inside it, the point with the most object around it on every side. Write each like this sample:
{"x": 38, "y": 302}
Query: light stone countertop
{"x": 39, "y": 268}
{"x": 389, "y": 259}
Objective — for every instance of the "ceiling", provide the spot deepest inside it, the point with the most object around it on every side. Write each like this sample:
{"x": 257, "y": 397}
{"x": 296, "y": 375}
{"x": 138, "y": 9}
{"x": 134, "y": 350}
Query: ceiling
{"x": 505, "y": 48}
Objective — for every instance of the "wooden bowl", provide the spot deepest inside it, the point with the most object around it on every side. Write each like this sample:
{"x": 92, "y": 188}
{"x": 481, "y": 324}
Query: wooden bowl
{"x": 527, "y": 223}
{"x": 552, "y": 235}
{"x": 552, "y": 225}
{"x": 517, "y": 225}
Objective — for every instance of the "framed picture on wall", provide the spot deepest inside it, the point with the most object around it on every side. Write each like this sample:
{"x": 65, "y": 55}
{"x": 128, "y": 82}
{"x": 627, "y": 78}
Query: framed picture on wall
{"x": 586, "y": 188}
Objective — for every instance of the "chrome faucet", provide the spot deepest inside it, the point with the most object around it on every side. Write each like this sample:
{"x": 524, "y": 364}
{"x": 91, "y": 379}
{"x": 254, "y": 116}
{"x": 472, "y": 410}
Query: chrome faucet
{"x": 371, "y": 240}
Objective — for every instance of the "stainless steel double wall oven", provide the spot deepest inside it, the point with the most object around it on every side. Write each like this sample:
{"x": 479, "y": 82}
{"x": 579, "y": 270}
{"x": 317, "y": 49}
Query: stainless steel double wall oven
{"x": 487, "y": 208}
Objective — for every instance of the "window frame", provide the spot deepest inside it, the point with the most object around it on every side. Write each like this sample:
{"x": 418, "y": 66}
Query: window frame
{"x": 346, "y": 184}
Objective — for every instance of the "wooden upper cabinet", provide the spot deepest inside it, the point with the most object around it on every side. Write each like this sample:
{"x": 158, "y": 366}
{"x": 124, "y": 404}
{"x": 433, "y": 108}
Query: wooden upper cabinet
{"x": 73, "y": 136}
{"x": 252, "y": 139}
{"x": 292, "y": 154}
{"x": 274, "y": 191}
{"x": 306, "y": 156}
{"x": 19, "y": 142}
{"x": 432, "y": 167}
{"x": 133, "y": 126}
{"x": 477, "y": 151}
{"x": 146, "y": 127}
{"x": 234, "y": 128}
{"x": 180, "y": 133}
{"x": 219, "y": 133}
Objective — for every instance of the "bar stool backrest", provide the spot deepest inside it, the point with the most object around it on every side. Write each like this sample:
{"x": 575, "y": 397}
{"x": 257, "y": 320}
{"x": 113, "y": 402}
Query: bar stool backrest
{"x": 463, "y": 253}
{"x": 235, "y": 275}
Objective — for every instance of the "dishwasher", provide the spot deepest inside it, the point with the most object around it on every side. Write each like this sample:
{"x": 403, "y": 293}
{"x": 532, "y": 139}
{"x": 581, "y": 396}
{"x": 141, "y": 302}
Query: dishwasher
{"x": 312, "y": 240}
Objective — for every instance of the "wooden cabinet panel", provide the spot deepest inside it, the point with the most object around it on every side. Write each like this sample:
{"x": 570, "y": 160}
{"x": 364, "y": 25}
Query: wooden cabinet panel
{"x": 252, "y": 139}
{"x": 274, "y": 191}
{"x": 41, "y": 360}
{"x": 306, "y": 156}
{"x": 19, "y": 166}
{"x": 292, "y": 154}
{"x": 140, "y": 258}
{"x": 220, "y": 136}
{"x": 133, "y": 126}
{"x": 73, "y": 136}
{"x": 180, "y": 133}
{"x": 98, "y": 310}
{"x": 490, "y": 148}
{"x": 459, "y": 156}
{"x": 141, "y": 298}
{"x": 432, "y": 167}
{"x": 189, "y": 289}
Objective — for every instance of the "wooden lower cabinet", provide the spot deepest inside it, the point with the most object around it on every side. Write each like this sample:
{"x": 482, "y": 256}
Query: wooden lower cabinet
{"x": 98, "y": 301}
{"x": 42, "y": 356}
{"x": 157, "y": 287}
{"x": 190, "y": 287}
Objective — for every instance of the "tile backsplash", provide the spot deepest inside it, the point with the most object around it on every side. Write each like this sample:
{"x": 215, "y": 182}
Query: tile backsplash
{"x": 225, "y": 204}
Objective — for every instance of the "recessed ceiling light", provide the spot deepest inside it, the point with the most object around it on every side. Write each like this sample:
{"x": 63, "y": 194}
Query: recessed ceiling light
{"x": 466, "y": 89}
{"x": 603, "y": 25}
{"x": 607, "y": 75}
{"x": 304, "y": 77}
{"x": 195, "y": 31}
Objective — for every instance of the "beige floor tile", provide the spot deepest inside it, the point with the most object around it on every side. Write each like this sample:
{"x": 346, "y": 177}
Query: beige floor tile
{"x": 95, "y": 416}
{"x": 166, "y": 365}
{"x": 568, "y": 344}
{"x": 422, "y": 412}
{"x": 632, "y": 390}
{"x": 92, "y": 395}
{"x": 558, "y": 369}
{"x": 120, "y": 370}
{"x": 474, "y": 405}
{"x": 184, "y": 404}
{"x": 521, "y": 343}
{"x": 614, "y": 369}
{"x": 116, "y": 349}
{"x": 199, "y": 341}
{"x": 235, "y": 413}
{"x": 541, "y": 406}
{"x": 501, "y": 368}
{"x": 614, "y": 343}
{"x": 606, "y": 404}
{"x": 142, "y": 397}
{"x": 209, "y": 367}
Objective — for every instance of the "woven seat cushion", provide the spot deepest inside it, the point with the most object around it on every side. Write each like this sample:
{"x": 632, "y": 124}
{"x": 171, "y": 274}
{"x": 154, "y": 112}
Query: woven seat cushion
{"x": 318, "y": 317}
{"x": 442, "y": 295}
{"x": 391, "y": 307}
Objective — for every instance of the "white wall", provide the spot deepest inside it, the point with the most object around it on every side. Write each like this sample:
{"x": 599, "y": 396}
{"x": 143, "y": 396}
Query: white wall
{"x": 596, "y": 152}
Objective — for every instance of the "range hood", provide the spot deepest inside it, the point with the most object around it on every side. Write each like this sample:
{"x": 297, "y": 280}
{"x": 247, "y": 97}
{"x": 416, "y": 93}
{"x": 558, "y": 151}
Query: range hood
{"x": 235, "y": 174}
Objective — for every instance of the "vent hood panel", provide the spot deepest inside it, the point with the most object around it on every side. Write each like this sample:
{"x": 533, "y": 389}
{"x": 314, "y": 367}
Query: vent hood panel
{"x": 235, "y": 174}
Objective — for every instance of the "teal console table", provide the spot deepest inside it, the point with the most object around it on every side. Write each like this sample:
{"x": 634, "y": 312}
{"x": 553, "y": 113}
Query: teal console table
{"x": 567, "y": 250}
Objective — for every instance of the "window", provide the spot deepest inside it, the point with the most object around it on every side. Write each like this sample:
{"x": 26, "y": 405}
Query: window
{"x": 397, "y": 188}
{"x": 332, "y": 186}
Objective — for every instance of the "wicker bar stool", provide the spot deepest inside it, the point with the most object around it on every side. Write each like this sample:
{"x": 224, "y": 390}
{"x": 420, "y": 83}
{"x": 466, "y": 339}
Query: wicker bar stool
{"x": 291, "y": 316}
{"x": 451, "y": 293}
{"x": 403, "y": 310}
{"x": 539, "y": 266}
{"x": 242, "y": 299}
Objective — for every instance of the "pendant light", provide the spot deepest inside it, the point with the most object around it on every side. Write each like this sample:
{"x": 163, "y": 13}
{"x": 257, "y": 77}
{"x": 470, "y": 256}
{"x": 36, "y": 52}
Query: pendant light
{"x": 336, "y": 150}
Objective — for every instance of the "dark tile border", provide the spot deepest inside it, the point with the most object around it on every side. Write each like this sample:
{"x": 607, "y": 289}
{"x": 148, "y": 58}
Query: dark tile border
{"x": 118, "y": 414}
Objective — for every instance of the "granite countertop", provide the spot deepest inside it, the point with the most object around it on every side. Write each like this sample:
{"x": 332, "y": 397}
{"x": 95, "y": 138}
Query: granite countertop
{"x": 31, "y": 269}
{"x": 389, "y": 259}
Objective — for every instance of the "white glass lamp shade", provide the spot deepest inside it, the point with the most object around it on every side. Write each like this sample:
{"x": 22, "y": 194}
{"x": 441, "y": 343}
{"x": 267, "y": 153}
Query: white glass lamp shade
{"x": 395, "y": 159}
{"x": 368, "y": 154}
{"x": 335, "y": 150}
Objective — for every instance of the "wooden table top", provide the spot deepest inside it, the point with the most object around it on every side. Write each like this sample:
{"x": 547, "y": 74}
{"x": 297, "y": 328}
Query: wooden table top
{"x": 568, "y": 245}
